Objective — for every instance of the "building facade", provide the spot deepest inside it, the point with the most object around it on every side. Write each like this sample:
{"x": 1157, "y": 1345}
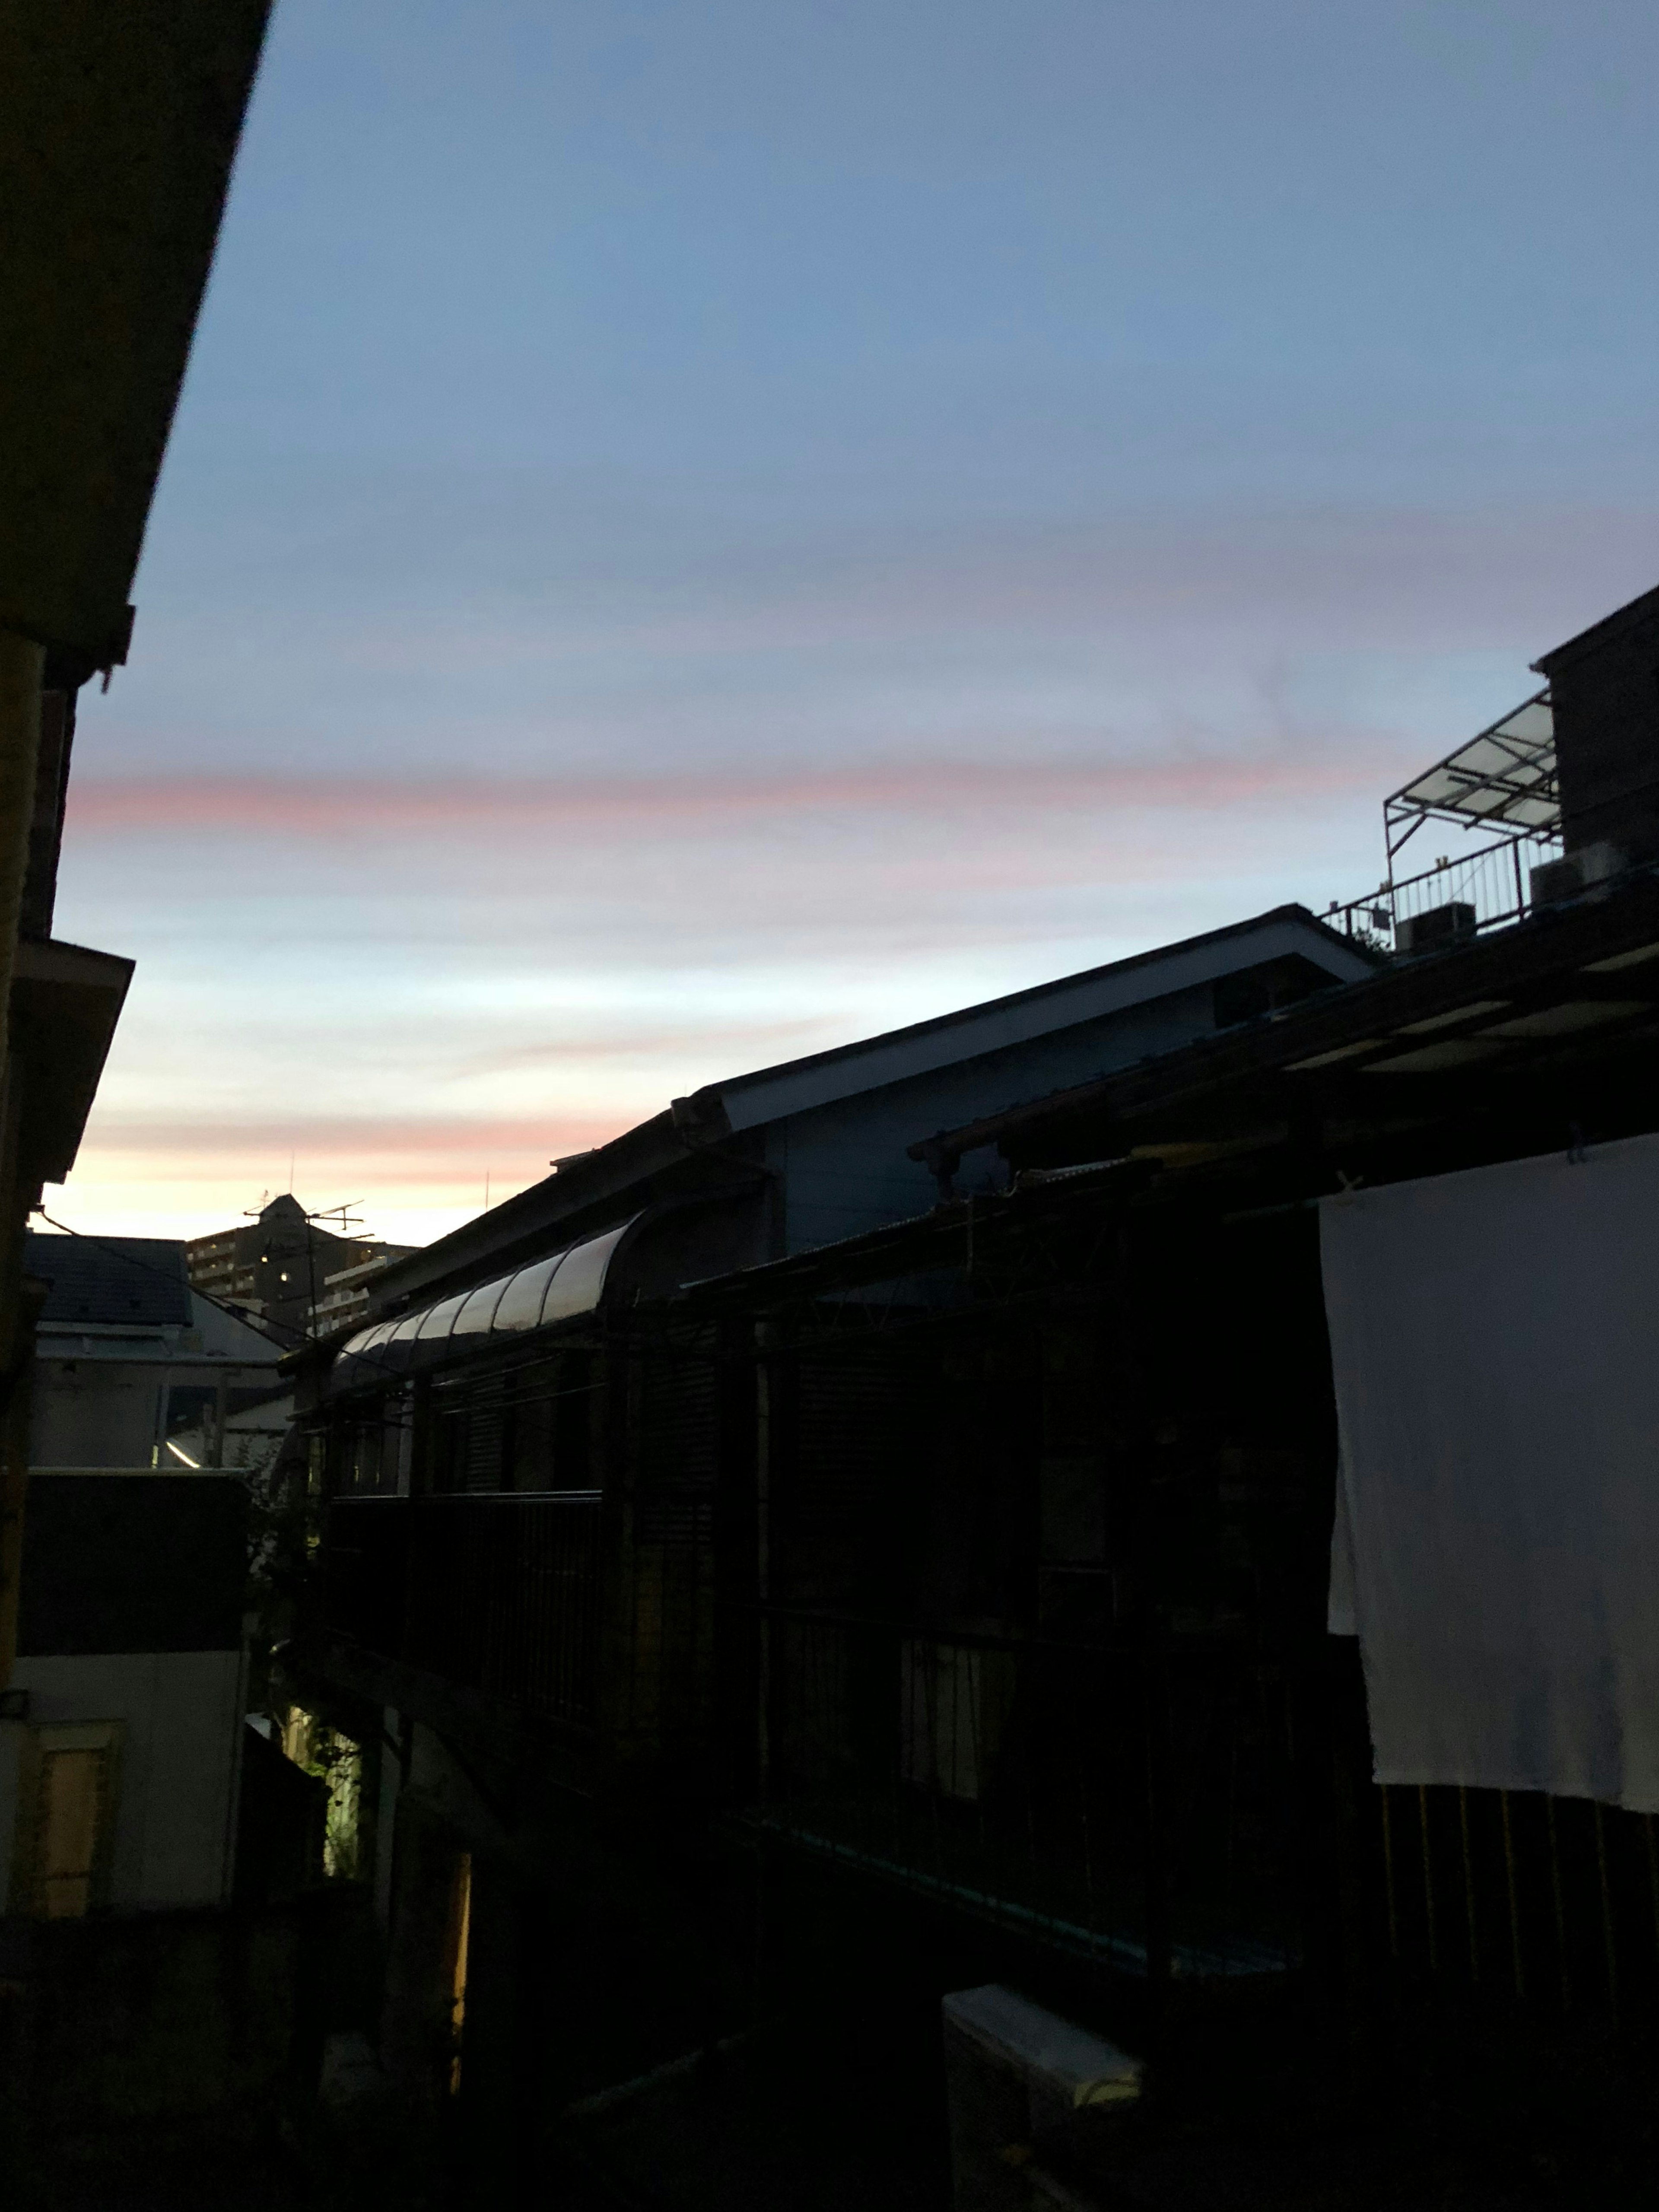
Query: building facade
{"x": 134, "y": 1368}
{"x": 283, "y": 1267}
{"x": 951, "y": 1604}
{"x": 119, "y": 1598}
{"x": 120, "y": 1766}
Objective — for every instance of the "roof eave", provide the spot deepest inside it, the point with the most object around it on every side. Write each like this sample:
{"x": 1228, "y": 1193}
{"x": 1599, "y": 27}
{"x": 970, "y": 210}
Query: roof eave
{"x": 1326, "y": 1021}
{"x": 482, "y": 1245}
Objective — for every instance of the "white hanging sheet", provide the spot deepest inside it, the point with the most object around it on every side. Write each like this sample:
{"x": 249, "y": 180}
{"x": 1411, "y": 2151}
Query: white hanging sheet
{"x": 1495, "y": 1343}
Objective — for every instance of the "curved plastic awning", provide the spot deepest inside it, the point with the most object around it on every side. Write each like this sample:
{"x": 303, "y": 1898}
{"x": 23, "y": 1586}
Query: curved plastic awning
{"x": 560, "y": 1287}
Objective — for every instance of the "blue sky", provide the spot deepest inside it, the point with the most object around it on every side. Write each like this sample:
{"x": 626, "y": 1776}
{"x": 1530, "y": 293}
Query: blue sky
{"x": 696, "y": 531}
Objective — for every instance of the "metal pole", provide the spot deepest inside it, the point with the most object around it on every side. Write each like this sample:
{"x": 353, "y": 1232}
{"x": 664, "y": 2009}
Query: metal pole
{"x": 1560, "y": 1906}
{"x": 1388, "y": 1874}
{"x": 1160, "y": 1948}
{"x": 1607, "y": 1913}
{"x": 1514, "y": 1909}
{"x": 763, "y": 1441}
{"x": 1468, "y": 1884}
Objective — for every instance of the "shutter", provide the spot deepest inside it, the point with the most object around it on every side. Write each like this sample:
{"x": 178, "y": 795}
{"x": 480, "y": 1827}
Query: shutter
{"x": 486, "y": 1431}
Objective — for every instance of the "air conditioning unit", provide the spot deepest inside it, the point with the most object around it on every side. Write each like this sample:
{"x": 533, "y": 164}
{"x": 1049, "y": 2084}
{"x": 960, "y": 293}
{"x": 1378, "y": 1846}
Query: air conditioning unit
{"x": 1440, "y": 924}
{"x": 1554, "y": 880}
{"x": 1577, "y": 873}
{"x": 1020, "y": 2082}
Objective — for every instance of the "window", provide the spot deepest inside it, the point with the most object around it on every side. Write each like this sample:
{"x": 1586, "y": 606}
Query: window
{"x": 1250, "y": 991}
{"x": 450, "y": 1425}
{"x": 366, "y": 1452}
{"x": 574, "y": 1412}
{"x": 65, "y": 1820}
{"x": 530, "y": 1414}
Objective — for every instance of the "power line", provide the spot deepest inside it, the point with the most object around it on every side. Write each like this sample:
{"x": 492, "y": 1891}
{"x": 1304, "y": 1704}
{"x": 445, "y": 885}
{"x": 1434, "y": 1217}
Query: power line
{"x": 131, "y": 1259}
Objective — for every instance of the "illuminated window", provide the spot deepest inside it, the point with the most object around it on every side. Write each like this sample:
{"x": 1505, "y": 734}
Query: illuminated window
{"x": 65, "y": 1820}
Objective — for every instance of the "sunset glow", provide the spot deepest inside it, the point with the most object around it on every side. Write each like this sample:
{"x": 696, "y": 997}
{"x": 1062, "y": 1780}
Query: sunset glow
{"x": 681, "y": 548}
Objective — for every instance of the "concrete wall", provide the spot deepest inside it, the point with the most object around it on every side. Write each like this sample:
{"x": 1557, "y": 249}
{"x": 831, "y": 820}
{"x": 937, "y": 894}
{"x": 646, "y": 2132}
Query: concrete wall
{"x": 100, "y": 1392}
{"x": 1606, "y": 695}
{"x": 181, "y": 1716}
{"x": 194, "y": 2023}
{"x": 95, "y": 1413}
{"x": 102, "y": 1411}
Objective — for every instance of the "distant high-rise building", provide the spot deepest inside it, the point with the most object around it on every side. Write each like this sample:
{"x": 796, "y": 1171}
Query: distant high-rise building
{"x": 286, "y": 1269}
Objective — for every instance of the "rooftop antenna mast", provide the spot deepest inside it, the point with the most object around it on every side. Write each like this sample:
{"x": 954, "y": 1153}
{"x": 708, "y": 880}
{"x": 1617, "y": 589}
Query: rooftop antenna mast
{"x": 342, "y": 1217}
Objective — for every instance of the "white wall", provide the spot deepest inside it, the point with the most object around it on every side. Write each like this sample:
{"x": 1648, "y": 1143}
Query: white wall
{"x": 93, "y": 1412}
{"x": 179, "y": 1764}
{"x": 101, "y": 1389}
{"x": 101, "y": 1410}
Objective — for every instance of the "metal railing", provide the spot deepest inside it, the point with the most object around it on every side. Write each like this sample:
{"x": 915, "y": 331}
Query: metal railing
{"x": 497, "y": 1593}
{"x": 1138, "y": 1810}
{"x": 1552, "y": 1900}
{"x": 1469, "y": 892}
{"x": 363, "y": 1561}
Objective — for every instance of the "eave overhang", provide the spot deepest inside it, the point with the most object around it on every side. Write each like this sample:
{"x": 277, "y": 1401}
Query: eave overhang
{"x": 118, "y": 129}
{"x": 1570, "y": 981}
{"x": 65, "y": 1002}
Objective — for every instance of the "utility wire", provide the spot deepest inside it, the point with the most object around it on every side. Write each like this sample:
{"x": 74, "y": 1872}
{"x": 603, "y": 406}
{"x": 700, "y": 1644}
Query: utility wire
{"x": 131, "y": 1259}
{"x": 307, "y": 1338}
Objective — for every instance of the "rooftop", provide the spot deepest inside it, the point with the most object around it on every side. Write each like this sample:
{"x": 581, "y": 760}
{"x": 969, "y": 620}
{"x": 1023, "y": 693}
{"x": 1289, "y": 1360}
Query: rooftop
{"x": 1493, "y": 1011}
{"x": 131, "y": 1279}
{"x": 587, "y": 1192}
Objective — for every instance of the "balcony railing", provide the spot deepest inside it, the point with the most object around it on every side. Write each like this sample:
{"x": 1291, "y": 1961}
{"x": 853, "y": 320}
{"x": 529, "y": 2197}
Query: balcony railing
{"x": 1139, "y": 1809}
{"x": 495, "y": 1593}
{"x": 1457, "y": 897}
{"x": 1555, "y": 1899}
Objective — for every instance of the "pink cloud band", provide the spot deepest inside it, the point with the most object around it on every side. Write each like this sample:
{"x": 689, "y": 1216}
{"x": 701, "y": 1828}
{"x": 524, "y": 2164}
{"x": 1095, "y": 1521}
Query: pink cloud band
{"x": 324, "y": 810}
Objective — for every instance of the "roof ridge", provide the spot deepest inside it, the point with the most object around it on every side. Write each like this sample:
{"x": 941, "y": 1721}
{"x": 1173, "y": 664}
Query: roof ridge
{"x": 1289, "y": 910}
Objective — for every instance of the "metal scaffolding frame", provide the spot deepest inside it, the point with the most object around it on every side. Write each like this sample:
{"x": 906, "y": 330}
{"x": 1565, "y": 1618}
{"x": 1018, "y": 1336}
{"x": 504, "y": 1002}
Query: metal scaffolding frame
{"x": 1503, "y": 780}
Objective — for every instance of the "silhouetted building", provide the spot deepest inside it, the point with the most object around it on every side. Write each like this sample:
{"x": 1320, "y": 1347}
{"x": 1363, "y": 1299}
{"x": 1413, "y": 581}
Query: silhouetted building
{"x": 347, "y": 1295}
{"x": 941, "y": 1610}
{"x": 128, "y": 1995}
{"x": 1605, "y": 695}
{"x": 135, "y": 1369}
{"x": 280, "y": 1266}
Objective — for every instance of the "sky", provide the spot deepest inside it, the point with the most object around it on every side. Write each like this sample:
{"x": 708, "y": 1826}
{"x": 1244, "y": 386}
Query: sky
{"x": 696, "y": 533}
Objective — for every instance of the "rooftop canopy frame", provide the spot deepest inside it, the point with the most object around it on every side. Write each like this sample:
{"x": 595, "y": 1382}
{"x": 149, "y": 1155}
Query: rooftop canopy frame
{"x": 1503, "y": 780}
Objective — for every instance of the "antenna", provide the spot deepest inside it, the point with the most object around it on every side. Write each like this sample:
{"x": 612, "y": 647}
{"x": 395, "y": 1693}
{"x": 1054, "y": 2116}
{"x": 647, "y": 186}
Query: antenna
{"x": 341, "y": 1215}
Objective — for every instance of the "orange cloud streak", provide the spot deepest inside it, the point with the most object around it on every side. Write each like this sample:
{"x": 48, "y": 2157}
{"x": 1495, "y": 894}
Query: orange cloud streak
{"x": 370, "y": 1139}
